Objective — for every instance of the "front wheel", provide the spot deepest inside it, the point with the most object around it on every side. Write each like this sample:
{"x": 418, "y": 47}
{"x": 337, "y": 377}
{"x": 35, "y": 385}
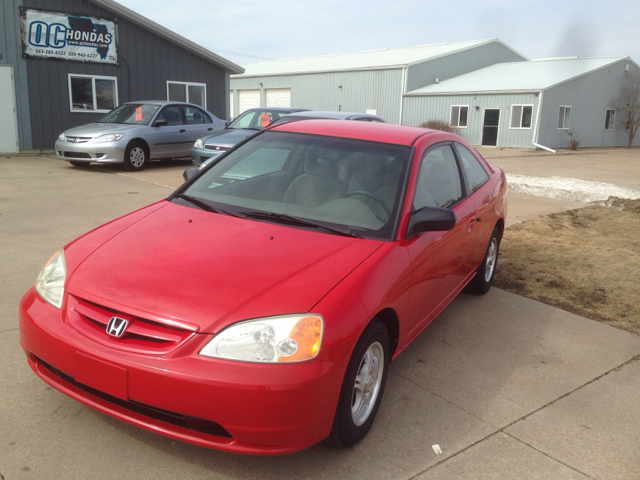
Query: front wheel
{"x": 135, "y": 156}
{"x": 481, "y": 283}
{"x": 362, "y": 387}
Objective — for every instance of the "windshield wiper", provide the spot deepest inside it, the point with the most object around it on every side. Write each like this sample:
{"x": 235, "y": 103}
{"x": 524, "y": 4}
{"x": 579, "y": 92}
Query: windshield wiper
{"x": 289, "y": 220}
{"x": 203, "y": 205}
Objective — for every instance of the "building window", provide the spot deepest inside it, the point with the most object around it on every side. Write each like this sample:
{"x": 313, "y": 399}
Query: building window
{"x": 521, "y": 116}
{"x": 187, "y": 92}
{"x": 609, "y": 119}
{"x": 459, "y": 114}
{"x": 564, "y": 118}
{"x": 92, "y": 93}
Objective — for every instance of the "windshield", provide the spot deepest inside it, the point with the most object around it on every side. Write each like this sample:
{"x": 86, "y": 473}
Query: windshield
{"x": 131, "y": 113}
{"x": 350, "y": 186}
{"x": 256, "y": 119}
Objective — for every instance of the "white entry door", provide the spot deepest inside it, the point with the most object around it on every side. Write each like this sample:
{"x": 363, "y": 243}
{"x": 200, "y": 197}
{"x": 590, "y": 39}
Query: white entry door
{"x": 8, "y": 119}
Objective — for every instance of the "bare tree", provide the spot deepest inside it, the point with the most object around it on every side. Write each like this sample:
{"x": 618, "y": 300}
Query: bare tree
{"x": 627, "y": 105}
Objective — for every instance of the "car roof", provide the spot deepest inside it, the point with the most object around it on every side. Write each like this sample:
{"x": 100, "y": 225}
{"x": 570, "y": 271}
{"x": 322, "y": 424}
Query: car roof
{"x": 277, "y": 109}
{"x": 334, "y": 115}
{"x": 165, "y": 102}
{"x": 378, "y": 132}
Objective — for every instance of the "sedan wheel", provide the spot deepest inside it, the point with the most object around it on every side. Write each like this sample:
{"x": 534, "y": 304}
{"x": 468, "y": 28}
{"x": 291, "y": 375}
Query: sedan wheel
{"x": 481, "y": 283}
{"x": 135, "y": 156}
{"x": 362, "y": 387}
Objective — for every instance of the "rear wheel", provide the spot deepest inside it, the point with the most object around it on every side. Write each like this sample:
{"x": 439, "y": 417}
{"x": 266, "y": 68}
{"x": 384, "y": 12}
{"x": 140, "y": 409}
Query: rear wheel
{"x": 135, "y": 156}
{"x": 362, "y": 387}
{"x": 481, "y": 283}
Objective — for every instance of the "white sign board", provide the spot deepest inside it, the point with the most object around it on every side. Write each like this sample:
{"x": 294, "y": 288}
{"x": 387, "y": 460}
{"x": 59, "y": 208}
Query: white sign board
{"x": 68, "y": 37}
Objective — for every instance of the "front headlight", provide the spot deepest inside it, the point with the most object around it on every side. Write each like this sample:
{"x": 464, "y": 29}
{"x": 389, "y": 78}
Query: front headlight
{"x": 50, "y": 282}
{"x": 110, "y": 137}
{"x": 198, "y": 143}
{"x": 289, "y": 338}
{"x": 62, "y": 137}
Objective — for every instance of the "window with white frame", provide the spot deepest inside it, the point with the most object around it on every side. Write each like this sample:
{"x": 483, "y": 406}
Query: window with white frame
{"x": 187, "y": 92}
{"x": 459, "y": 114}
{"x": 92, "y": 93}
{"x": 564, "y": 117}
{"x": 609, "y": 119}
{"x": 521, "y": 116}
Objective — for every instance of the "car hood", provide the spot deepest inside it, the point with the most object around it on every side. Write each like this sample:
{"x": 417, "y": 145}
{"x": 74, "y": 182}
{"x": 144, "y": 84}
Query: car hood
{"x": 211, "y": 270}
{"x": 228, "y": 136}
{"x": 97, "y": 129}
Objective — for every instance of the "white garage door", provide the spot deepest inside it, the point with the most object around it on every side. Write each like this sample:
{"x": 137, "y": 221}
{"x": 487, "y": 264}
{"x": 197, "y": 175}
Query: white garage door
{"x": 248, "y": 99}
{"x": 8, "y": 120}
{"x": 279, "y": 97}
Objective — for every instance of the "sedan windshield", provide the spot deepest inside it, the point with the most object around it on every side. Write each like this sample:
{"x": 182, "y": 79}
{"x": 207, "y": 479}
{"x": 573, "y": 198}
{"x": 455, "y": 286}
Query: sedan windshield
{"x": 328, "y": 184}
{"x": 131, "y": 113}
{"x": 256, "y": 119}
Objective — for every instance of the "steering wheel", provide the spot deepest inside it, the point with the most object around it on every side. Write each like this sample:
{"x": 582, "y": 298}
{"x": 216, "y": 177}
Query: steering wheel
{"x": 374, "y": 197}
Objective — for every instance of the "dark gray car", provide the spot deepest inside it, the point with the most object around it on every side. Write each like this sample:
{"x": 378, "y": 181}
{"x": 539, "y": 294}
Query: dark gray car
{"x": 245, "y": 125}
{"x": 136, "y": 132}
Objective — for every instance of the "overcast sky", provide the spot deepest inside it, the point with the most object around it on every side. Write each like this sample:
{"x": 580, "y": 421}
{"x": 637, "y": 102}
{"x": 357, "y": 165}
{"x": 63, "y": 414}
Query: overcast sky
{"x": 247, "y": 31}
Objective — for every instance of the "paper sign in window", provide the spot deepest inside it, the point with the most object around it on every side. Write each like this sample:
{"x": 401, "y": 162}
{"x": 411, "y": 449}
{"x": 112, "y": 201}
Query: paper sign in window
{"x": 265, "y": 119}
{"x": 138, "y": 117}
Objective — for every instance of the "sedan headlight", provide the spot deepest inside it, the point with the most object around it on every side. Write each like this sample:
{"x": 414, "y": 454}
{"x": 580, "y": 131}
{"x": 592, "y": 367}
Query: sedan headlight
{"x": 289, "y": 338}
{"x": 198, "y": 143}
{"x": 62, "y": 137}
{"x": 50, "y": 282}
{"x": 110, "y": 137}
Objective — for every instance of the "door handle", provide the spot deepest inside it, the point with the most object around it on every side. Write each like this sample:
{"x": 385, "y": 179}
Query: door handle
{"x": 182, "y": 130}
{"x": 210, "y": 129}
{"x": 479, "y": 219}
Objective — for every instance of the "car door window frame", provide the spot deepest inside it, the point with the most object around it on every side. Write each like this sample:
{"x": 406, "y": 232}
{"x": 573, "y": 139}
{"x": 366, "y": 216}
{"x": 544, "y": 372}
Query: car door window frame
{"x": 463, "y": 184}
{"x": 466, "y": 181}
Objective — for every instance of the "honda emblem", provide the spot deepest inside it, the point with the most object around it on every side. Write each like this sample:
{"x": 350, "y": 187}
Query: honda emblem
{"x": 116, "y": 326}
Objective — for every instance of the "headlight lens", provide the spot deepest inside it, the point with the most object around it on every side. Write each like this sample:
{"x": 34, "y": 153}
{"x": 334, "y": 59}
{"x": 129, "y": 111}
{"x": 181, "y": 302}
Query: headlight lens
{"x": 50, "y": 282}
{"x": 62, "y": 137}
{"x": 110, "y": 137}
{"x": 198, "y": 143}
{"x": 290, "y": 338}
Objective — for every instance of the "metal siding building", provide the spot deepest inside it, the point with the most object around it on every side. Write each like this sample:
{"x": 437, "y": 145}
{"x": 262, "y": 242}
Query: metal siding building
{"x": 587, "y": 85}
{"x": 149, "y": 56}
{"x": 373, "y": 80}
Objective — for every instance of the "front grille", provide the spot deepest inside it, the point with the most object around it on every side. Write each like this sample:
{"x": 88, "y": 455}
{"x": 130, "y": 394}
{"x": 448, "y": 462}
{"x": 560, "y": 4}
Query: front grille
{"x": 76, "y": 155}
{"x": 78, "y": 139}
{"x": 142, "y": 335}
{"x": 191, "y": 423}
{"x": 217, "y": 148}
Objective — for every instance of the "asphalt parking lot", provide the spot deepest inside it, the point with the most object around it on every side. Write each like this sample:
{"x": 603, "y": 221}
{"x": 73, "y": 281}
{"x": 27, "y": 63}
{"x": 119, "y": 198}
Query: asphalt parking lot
{"x": 506, "y": 386}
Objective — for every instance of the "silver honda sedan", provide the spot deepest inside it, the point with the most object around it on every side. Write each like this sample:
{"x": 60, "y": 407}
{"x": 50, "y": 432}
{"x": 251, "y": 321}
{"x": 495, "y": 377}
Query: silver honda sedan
{"x": 136, "y": 132}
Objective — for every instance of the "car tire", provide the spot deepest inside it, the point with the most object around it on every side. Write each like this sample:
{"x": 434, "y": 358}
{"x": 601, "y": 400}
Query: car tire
{"x": 136, "y": 156}
{"x": 362, "y": 387}
{"x": 481, "y": 283}
{"x": 78, "y": 164}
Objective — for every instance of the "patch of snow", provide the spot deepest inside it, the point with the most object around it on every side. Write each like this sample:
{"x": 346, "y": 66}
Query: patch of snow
{"x": 571, "y": 189}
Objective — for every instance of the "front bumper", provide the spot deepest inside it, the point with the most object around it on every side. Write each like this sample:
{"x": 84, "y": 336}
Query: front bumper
{"x": 104, "y": 152}
{"x": 200, "y": 155}
{"x": 240, "y": 407}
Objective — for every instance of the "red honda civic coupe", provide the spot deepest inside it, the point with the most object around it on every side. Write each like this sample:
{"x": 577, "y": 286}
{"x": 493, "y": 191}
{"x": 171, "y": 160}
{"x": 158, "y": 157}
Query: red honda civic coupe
{"x": 257, "y": 308}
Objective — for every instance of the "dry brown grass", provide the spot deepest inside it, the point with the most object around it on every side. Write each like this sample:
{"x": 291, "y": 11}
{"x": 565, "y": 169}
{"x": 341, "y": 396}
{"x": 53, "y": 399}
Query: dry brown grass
{"x": 585, "y": 261}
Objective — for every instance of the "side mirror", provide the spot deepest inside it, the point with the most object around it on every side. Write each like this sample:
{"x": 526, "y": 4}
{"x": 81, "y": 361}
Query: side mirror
{"x": 226, "y": 124}
{"x": 160, "y": 123}
{"x": 430, "y": 219}
{"x": 189, "y": 173}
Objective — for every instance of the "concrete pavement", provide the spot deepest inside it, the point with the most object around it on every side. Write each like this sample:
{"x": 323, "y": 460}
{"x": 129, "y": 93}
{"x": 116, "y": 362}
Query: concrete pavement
{"x": 508, "y": 387}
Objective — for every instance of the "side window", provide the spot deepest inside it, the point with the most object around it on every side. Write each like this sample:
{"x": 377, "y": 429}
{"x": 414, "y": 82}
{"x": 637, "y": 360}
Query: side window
{"x": 195, "y": 115}
{"x": 171, "y": 114}
{"x": 438, "y": 182}
{"x": 472, "y": 167}
{"x": 245, "y": 121}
